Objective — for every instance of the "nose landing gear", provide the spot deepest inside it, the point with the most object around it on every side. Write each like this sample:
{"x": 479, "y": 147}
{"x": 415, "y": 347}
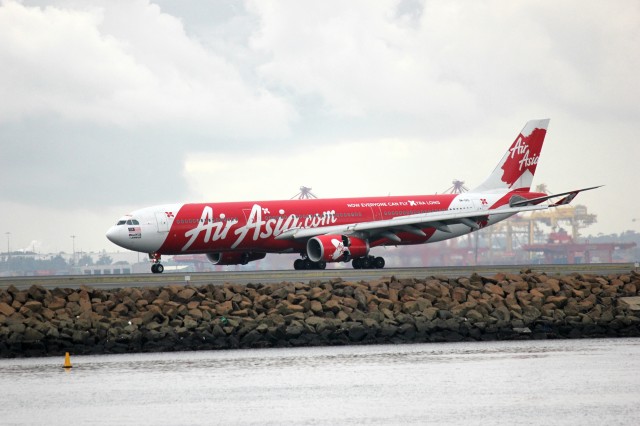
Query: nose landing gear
{"x": 156, "y": 266}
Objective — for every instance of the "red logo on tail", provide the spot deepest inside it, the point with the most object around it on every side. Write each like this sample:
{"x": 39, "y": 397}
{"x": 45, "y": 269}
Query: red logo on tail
{"x": 523, "y": 155}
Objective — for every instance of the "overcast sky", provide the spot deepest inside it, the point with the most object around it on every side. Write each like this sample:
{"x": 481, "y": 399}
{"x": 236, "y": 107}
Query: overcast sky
{"x": 109, "y": 106}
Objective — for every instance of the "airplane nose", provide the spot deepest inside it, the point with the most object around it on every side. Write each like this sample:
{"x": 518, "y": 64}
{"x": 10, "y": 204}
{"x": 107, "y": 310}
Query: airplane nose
{"x": 112, "y": 235}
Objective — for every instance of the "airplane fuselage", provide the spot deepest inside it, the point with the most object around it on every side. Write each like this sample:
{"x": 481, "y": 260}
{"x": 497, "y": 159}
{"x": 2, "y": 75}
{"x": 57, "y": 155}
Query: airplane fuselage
{"x": 254, "y": 226}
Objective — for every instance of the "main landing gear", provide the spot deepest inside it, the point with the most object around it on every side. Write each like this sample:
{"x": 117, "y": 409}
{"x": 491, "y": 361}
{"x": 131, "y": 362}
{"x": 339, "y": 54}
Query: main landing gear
{"x": 306, "y": 263}
{"x": 156, "y": 266}
{"x": 368, "y": 262}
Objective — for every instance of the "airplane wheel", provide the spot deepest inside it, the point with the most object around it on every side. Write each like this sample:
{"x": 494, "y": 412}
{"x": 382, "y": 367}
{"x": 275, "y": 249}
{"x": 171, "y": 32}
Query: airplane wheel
{"x": 307, "y": 264}
{"x": 322, "y": 264}
{"x": 365, "y": 263}
{"x": 298, "y": 265}
{"x": 159, "y": 268}
{"x": 356, "y": 263}
{"x": 378, "y": 262}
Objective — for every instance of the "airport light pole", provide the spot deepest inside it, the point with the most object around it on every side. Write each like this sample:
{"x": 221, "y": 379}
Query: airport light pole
{"x": 8, "y": 234}
{"x": 73, "y": 239}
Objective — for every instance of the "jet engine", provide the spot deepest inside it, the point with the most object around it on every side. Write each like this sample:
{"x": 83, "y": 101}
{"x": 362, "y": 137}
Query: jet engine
{"x": 233, "y": 258}
{"x": 336, "y": 248}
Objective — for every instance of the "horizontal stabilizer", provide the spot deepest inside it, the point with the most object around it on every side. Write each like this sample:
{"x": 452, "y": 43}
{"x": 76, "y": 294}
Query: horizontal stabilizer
{"x": 518, "y": 201}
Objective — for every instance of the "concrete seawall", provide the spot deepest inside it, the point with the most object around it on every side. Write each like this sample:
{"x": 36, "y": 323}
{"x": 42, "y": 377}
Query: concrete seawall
{"x": 40, "y": 322}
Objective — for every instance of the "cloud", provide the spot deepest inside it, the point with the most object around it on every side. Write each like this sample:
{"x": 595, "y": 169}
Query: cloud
{"x": 346, "y": 168}
{"x": 107, "y": 106}
{"x": 100, "y": 102}
{"x": 357, "y": 57}
{"x": 125, "y": 64}
{"x": 439, "y": 61}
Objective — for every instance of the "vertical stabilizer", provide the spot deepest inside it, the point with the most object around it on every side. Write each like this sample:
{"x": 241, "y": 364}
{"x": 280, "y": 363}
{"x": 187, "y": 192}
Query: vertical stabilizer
{"x": 518, "y": 165}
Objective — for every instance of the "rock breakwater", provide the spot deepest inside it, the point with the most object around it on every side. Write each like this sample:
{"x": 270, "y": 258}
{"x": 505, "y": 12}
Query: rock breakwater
{"x": 41, "y": 322}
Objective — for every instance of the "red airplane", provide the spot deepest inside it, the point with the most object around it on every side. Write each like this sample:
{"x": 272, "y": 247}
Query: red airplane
{"x": 339, "y": 229}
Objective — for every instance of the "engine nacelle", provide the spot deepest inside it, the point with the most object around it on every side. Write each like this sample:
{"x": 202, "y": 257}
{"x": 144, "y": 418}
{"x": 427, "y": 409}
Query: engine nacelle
{"x": 233, "y": 258}
{"x": 336, "y": 248}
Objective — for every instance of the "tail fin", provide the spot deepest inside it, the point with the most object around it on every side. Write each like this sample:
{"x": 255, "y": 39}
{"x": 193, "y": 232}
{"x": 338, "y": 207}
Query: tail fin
{"x": 518, "y": 165}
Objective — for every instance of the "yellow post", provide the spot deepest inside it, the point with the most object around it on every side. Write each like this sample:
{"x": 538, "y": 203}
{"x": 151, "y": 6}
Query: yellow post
{"x": 67, "y": 361}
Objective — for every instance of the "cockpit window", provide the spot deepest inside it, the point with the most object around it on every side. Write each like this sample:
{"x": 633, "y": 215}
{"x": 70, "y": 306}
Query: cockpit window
{"x": 121, "y": 222}
{"x": 129, "y": 222}
{"x": 135, "y": 222}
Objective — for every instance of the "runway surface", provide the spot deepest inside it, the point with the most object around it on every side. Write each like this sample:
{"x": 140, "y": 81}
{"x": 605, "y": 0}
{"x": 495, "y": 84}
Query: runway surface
{"x": 246, "y": 277}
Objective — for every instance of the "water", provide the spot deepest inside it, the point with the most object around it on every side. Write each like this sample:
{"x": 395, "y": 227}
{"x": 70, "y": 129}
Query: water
{"x": 579, "y": 382}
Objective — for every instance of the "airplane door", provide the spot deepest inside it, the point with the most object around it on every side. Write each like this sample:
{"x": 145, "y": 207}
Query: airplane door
{"x": 163, "y": 222}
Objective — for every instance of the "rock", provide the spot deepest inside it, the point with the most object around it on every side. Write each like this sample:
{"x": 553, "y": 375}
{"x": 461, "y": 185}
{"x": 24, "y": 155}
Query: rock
{"x": 494, "y": 289}
{"x": 558, "y": 301}
{"x": 190, "y": 323}
{"x": 184, "y": 295}
{"x": 512, "y": 303}
{"x": 295, "y": 329}
{"x": 355, "y": 331}
{"x": 430, "y": 313}
{"x": 73, "y": 297}
{"x": 474, "y": 315}
{"x": 120, "y": 309}
{"x": 85, "y": 305}
{"x": 32, "y": 335}
{"x": 6, "y": 310}
{"x": 554, "y": 284}
{"x": 629, "y": 290}
{"x": 18, "y": 328}
{"x": 342, "y": 316}
{"x": 224, "y": 308}
{"x": 315, "y": 306}
{"x": 388, "y": 329}
{"x": 350, "y": 303}
{"x": 197, "y": 314}
{"x": 314, "y": 321}
{"x": 361, "y": 297}
{"x": 502, "y": 313}
{"x": 285, "y": 308}
{"x": 444, "y": 314}
{"x": 410, "y": 307}
{"x": 332, "y": 305}
{"x": 20, "y": 297}
{"x": 543, "y": 289}
{"x": 459, "y": 294}
{"x": 37, "y": 293}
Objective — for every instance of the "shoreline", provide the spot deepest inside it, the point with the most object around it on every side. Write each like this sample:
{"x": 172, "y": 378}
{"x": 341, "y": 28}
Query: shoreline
{"x": 178, "y": 317}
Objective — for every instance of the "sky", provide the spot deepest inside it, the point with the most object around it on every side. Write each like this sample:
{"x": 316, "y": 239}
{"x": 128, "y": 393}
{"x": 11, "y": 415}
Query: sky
{"x": 110, "y": 106}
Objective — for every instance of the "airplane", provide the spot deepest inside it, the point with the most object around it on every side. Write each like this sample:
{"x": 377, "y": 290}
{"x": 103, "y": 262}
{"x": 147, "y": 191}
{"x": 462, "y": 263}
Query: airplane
{"x": 323, "y": 231}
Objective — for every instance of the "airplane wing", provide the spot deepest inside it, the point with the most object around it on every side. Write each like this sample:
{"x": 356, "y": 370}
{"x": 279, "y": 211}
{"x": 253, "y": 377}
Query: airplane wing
{"x": 440, "y": 220}
{"x": 409, "y": 223}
